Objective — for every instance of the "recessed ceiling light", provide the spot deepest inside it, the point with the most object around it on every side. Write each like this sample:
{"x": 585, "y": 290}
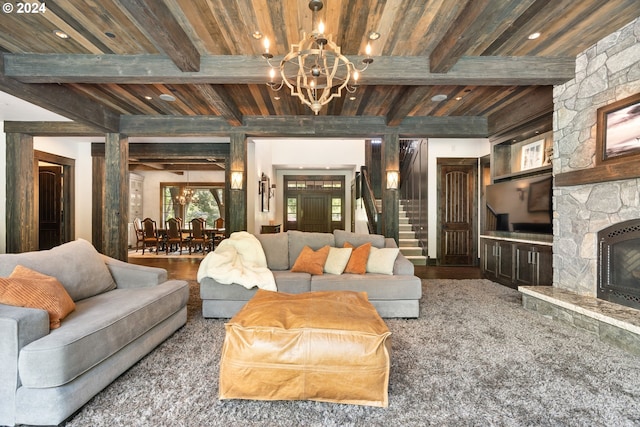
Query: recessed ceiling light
{"x": 439, "y": 97}
{"x": 167, "y": 97}
{"x": 374, "y": 35}
{"x": 352, "y": 98}
{"x": 277, "y": 98}
{"x": 458, "y": 98}
{"x": 61, "y": 34}
{"x": 148, "y": 98}
{"x": 533, "y": 36}
{"x": 256, "y": 35}
{"x": 110, "y": 34}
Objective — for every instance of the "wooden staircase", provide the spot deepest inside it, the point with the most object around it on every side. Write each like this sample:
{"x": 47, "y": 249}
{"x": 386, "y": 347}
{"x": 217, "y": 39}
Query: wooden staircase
{"x": 409, "y": 245}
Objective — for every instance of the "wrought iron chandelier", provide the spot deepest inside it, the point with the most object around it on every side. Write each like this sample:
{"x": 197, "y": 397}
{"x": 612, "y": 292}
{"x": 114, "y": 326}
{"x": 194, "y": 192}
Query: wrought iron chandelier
{"x": 314, "y": 69}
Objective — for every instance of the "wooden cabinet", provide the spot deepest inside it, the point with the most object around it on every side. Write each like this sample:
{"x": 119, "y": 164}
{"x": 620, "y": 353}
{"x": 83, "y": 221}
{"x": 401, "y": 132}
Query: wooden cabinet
{"x": 513, "y": 263}
{"x": 533, "y": 265}
{"x": 270, "y": 229}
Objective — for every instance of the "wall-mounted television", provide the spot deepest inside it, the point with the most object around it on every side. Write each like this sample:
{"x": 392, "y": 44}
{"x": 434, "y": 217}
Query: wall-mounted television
{"x": 520, "y": 206}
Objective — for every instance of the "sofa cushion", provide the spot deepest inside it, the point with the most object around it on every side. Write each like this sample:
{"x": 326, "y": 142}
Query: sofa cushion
{"x": 310, "y": 261}
{"x": 358, "y": 239}
{"x": 377, "y": 286}
{"x": 28, "y": 288}
{"x": 276, "y": 249}
{"x": 382, "y": 260}
{"x": 286, "y": 281}
{"x": 77, "y": 265}
{"x": 99, "y": 327}
{"x": 358, "y": 261}
{"x": 337, "y": 260}
{"x": 300, "y": 239}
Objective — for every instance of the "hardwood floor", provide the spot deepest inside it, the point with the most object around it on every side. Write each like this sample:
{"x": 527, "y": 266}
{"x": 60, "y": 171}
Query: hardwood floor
{"x": 187, "y": 268}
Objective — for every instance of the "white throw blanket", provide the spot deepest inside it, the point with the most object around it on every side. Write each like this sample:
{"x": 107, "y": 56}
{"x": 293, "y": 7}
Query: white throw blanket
{"x": 239, "y": 259}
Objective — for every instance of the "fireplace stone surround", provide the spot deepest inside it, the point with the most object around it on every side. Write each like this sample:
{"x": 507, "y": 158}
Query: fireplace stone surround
{"x": 605, "y": 72}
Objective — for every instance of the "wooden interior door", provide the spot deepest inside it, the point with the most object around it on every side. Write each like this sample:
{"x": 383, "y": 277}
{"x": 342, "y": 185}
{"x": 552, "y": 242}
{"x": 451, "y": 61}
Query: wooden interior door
{"x": 315, "y": 212}
{"x": 50, "y": 206}
{"x": 457, "y": 189}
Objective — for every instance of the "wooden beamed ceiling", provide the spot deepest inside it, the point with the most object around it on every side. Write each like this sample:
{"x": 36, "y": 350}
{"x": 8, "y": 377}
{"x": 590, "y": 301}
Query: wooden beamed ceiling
{"x": 121, "y": 55}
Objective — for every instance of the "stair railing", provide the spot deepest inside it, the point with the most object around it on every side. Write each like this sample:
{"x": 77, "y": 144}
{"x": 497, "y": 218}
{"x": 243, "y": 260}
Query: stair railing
{"x": 369, "y": 200}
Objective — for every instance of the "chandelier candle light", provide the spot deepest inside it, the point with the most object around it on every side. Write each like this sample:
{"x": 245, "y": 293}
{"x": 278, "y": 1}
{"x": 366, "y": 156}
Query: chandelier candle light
{"x": 314, "y": 69}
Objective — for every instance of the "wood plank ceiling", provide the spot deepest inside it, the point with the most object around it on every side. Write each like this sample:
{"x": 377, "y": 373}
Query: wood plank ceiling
{"x": 121, "y": 55}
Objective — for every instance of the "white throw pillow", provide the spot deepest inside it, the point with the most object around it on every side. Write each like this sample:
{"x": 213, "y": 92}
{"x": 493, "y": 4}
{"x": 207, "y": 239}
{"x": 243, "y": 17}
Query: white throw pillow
{"x": 337, "y": 260}
{"x": 382, "y": 260}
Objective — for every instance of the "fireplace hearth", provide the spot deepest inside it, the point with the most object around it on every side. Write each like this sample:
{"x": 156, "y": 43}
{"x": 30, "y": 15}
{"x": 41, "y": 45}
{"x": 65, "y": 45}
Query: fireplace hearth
{"x": 619, "y": 263}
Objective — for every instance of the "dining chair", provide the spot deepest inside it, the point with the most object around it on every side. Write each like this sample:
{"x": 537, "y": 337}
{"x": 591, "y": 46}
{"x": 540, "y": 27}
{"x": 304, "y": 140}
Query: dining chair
{"x": 174, "y": 234}
{"x": 151, "y": 236}
{"x": 137, "y": 226}
{"x": 199, "y": 236}
{"x": 218, "y": 234}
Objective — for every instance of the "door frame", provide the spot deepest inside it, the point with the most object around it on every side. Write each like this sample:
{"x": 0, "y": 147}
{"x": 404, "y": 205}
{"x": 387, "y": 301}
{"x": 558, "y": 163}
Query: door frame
{"x": 473, "y": 203}
{"x": 68, "y": 192}
{"x": 290, "y": 192}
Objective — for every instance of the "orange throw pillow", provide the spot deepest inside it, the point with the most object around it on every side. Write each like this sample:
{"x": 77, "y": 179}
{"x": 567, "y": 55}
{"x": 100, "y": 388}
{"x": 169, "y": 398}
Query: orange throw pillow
{"x": 28, "y": 288}
{"x": 358, "y": 261}
{"x": 310, "y": 261}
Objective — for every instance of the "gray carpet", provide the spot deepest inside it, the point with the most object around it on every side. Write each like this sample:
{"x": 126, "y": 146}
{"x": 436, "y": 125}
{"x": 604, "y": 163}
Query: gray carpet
{"x": 474, "y": 358}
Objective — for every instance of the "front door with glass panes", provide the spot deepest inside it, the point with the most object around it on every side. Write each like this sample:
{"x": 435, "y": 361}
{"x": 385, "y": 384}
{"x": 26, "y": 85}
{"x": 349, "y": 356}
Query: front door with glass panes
{"x": 314, "y": 203}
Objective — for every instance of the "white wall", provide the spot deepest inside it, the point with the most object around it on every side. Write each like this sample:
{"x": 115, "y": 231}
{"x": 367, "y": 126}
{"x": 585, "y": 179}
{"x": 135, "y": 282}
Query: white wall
{"x": 452, "y": 148}
{"x": 289, "y": 156}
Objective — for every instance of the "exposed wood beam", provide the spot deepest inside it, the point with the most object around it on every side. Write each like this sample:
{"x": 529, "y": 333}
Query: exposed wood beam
{"x": 312, "y": 126}
{"x": 221, "y": 101}
{"x": 213, "y": 167}
{"x": 457, "y": 39}
{"x": 63, "y": 101}
{"x": 158, "y": 22}
{"x": 236, "y": 69}
{"x": 179, "y": 150}
{"x": 51, "y": 128}
{"x": 411, "y": 96}
{"x": 534, "y": 105}
{"x": 476, "y": 17}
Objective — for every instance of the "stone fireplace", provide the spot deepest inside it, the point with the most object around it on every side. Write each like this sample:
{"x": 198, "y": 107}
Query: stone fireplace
{"x": 619, "y": 263}
{"x": 605, "y": 72}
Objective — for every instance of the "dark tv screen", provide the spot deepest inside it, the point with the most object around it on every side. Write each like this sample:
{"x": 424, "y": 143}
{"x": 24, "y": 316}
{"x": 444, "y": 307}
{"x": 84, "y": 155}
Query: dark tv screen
{"x": 522, "y": 205}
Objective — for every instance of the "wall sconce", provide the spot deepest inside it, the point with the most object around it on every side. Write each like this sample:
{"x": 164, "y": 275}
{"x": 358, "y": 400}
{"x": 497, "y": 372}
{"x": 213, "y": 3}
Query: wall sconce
{"x": 392, "y": 180}
{"x": 521, "y": 192}
{"x": 236, "y": 180}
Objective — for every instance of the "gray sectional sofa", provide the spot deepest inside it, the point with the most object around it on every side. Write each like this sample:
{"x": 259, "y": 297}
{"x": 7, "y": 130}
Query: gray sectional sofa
{"x": 122, "y": 311}
{"x": 394, "y": 295}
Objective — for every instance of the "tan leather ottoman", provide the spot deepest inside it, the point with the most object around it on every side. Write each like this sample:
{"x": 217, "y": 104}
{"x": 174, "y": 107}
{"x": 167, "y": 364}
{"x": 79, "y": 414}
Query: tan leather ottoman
{"x": 324, "y": 346}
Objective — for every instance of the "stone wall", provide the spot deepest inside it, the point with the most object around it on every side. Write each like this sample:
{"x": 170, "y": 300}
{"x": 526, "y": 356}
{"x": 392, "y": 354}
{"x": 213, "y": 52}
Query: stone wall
{"x": 606, "y": 72}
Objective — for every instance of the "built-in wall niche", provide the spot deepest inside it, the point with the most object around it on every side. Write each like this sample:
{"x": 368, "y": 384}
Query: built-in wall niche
{"x": 514, "y": 158}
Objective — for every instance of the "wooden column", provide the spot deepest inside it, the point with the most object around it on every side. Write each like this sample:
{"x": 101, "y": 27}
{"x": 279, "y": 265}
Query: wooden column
{"x": 116, "y": 199}
{"x": 390, "y": 199}
{"x": 97, "y": 200}
{"x": 236, "y": 216}
{"x": 22, "y": 204}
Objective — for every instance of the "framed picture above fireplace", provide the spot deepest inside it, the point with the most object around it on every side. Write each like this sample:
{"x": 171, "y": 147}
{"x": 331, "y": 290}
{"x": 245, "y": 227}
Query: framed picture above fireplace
{"x": 618, "y": 131}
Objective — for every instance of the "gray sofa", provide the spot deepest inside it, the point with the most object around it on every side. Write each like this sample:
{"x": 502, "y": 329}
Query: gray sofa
{"x": 122, "y": 311}
{"x": 394, "y": 295}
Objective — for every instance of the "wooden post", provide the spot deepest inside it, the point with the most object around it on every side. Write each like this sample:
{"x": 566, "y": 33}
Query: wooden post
{"x": 22, "y": 222}
{"x": 390, "y": 198}
{"x": 236, "y": 216}
{"x": 97, "y": 200}
{"x": 116, "y": 200}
